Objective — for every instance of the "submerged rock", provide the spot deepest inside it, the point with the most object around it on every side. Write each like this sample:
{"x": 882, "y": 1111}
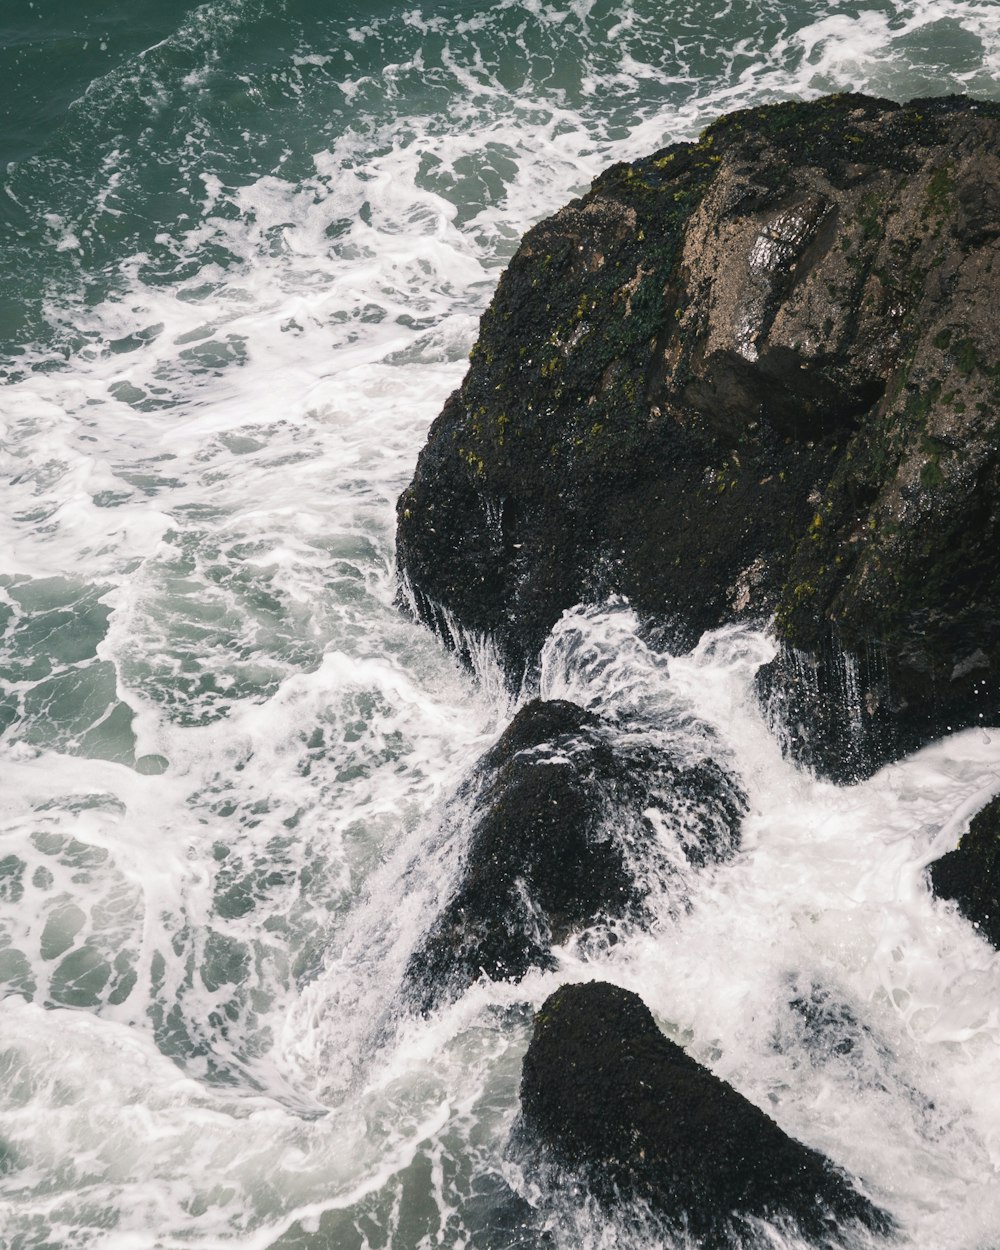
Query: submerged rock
{"x": 605, "y": 1095}
{"x": 755, "y": 374}
{"x": 970, "y": 874}
{"x": 561, "y": 840}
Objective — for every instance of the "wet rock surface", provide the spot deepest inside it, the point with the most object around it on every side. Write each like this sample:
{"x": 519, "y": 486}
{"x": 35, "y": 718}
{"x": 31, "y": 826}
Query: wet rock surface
{"x": 607, "y": 1096}
{"x": 970, "y": 874}
{"x": 755, "y": 374}
{"x": 561, "y": 841}
{"x": 846, "y": 712}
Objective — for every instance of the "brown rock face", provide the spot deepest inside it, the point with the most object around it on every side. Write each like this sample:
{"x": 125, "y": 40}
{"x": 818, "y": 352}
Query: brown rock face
{"x": 756, "y": 374}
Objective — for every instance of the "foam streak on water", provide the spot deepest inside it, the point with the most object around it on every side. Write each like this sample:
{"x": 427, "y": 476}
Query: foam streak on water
{"x": 241, "y": 270}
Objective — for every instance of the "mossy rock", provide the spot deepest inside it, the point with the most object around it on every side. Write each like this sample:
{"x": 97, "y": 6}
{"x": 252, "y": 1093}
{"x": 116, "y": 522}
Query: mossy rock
{"x": 757, "y": 374}
{"x": 561, "y": 842}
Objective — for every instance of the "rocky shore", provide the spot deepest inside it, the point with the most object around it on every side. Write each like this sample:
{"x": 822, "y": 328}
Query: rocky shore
{"x": 751, "y": 376}
{"x": 755, "y": 377}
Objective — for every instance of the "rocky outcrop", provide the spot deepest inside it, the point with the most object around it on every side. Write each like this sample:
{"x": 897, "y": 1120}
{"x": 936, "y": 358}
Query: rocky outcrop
{"x": 605, "y": 1095}
{"x": 970, "y": 874}
{"x": 755, "y": 374}
{"x": 561, "y": 840}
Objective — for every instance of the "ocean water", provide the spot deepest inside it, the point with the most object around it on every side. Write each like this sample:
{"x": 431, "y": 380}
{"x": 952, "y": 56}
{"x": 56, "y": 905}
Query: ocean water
{"x": 245, "y": 245}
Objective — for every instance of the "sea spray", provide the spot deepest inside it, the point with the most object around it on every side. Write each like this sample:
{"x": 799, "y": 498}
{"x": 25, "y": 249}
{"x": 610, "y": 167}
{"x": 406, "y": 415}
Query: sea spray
{"x": 242, "y": 270}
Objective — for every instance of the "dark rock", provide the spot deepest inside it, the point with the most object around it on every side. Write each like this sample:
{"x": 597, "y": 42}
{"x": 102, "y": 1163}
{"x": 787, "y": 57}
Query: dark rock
{"x": 846, "y": 713}
{"x": 560, "y": 841}
{"x": 970, "y": 875}
{"x": 755, "y": 374}
{"x": 605, "y": 1095}
{"x": 834, "y": 711}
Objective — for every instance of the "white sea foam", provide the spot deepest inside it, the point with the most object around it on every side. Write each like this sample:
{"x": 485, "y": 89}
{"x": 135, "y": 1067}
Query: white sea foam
{"x": 225, "y": 818}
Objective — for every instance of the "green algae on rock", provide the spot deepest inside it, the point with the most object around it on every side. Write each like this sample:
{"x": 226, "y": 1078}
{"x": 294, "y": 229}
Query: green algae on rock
{"x": 757, "y": 374}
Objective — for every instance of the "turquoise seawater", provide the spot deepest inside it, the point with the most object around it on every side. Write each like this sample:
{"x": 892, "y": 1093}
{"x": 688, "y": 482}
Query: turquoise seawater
{"x": 244, "y": 246}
